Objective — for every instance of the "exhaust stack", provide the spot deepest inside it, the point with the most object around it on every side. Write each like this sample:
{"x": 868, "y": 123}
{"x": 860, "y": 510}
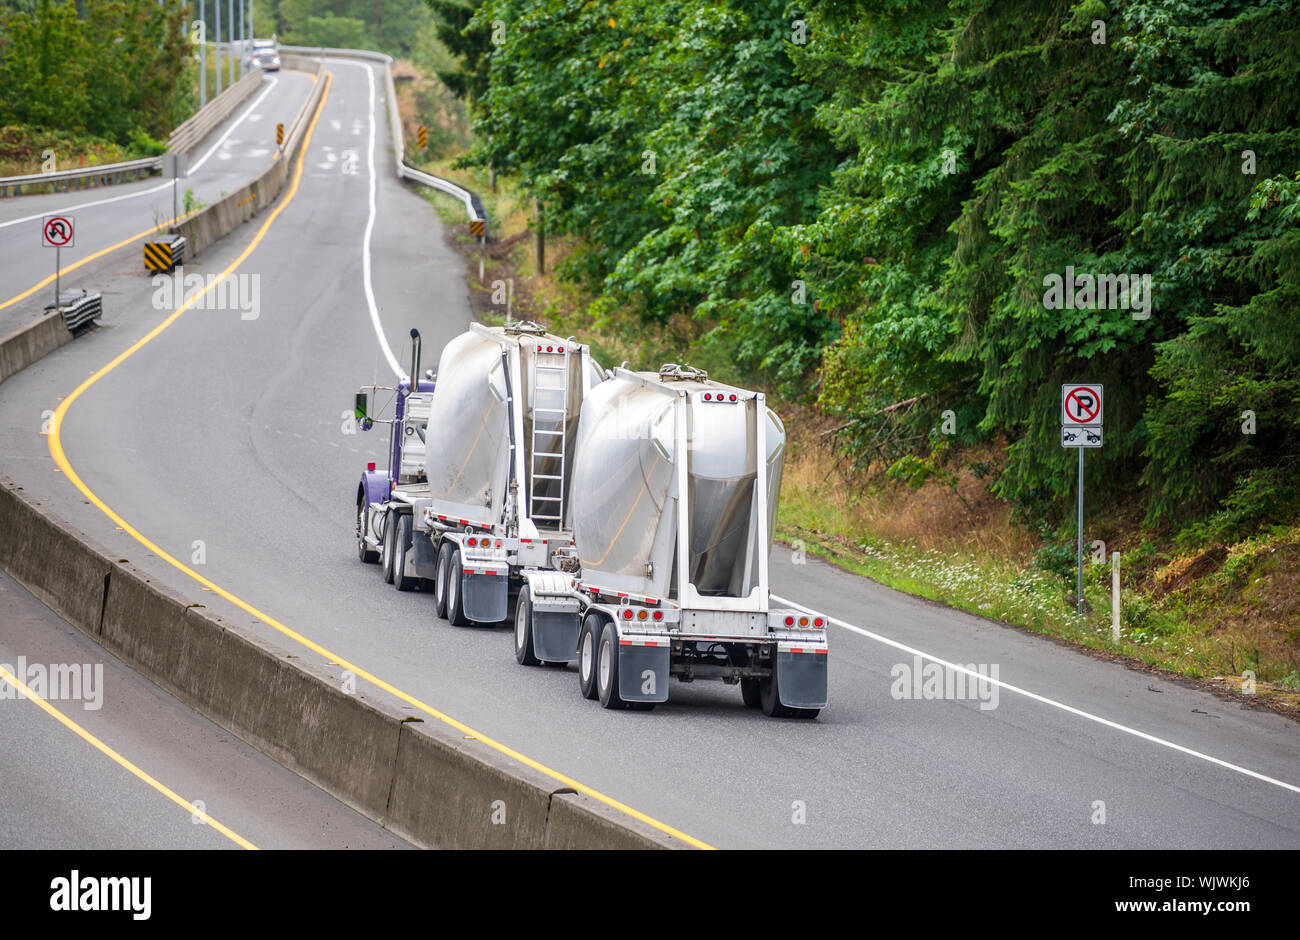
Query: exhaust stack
{"x": 415, "y": 362}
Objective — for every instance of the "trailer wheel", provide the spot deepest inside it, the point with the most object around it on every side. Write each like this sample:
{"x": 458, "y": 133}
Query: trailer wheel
{"x": 749, "y": 692}
{"x": 440, "y": 585}
{"x": 386, "y": 547}
{"x": 524, "y": 652}
{"x": 771, "y": 702}
{"x": 588, "y": 641}
{"x": 607, "y": 669}
{"x": 455, "y": 611}
{"x": 402, "y": 543}
{"x": 367, "y": 555}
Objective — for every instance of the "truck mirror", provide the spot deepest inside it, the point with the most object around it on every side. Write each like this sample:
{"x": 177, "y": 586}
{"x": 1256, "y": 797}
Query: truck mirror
{"x": 361, "y": 410}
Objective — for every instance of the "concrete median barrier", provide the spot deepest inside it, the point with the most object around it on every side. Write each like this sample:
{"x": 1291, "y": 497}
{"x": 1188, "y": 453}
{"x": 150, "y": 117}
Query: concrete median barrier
{"x": 38, "y": 339}
{"x": 420, "y": 779}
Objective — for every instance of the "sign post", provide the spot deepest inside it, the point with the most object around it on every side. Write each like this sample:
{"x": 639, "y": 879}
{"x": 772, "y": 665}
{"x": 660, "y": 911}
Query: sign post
{"x": 175, "y": 165}
{"x": 1081, "y": 418}
{"x": 56, "y": 233}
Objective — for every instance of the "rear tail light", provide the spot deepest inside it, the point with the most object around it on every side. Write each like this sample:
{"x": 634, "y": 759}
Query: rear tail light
{"x": 708, "y": 397}
{"x": 819, "y": 622}
{"x": 371, "y": 465}
{"x": 549, "y": 349}
{"x": 789, "y": 621}
{"x": 640, "y": 615}
{"x": 627, "y": 613}
{"x": 803, "y": 621}
{"x": 561, "y": 349}
{"x": 658, "y": 615}
{"x": 498, "y": 543}
{"x": 471, "y": 542}
{"x": 733, "y": 397}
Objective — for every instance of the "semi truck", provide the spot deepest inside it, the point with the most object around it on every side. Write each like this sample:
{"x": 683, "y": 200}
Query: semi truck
{"x": 478, "y": 477}
{"x": 677, "y": 479}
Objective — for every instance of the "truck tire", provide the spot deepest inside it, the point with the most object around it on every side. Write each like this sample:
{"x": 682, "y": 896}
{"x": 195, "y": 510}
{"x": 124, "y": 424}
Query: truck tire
{"x": 771, "y": 702}
{"x": 403, "y": 541}
{"x": 455, "y": 610}
{"x": 588, "y": 641}
{"x": 367, "y": 554}
{"x": 607, "y": 669}
{"x": 386, "y": 547}
{"x": 524, "y": 652}
{"x": 749, "y": 692}
{"x": 440, "y": 585}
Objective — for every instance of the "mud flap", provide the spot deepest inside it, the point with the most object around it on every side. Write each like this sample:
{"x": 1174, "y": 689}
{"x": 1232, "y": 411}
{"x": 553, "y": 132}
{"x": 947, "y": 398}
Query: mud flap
{"x": 643, "y": 672}
{"x": 425, "y": 554}
{"x": 801, "y": 678}
{"x": 484, "y": 597}
{"x": 555, "y": 635}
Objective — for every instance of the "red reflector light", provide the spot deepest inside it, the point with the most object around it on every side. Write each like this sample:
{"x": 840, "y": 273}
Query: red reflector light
{"x": 658, "y": 615}
{"x": 627, "y": 613}
{"x": 561, "y": 349}
{"x": 549, "y": 349}
{"x": 539, "y": 348}
{"x": 819, "y": 622}
{"x": 733, "y": 397}
{"x": 789, "y": 621}
{"x": 708, "y": 397}
{"x": 371, "y": 465}
{"x": 498, "y": 543}
{"x": 471, "y": 542}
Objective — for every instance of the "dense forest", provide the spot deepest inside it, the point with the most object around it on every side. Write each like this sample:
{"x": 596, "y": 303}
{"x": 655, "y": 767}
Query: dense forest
{"x": 955, "y": 205}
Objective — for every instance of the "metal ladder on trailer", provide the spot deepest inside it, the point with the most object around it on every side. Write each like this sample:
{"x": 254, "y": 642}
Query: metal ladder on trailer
{"x": 550, "y": 401}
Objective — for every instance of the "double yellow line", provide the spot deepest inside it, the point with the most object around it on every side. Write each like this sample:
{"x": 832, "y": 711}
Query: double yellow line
{"x": 60, "y": 458}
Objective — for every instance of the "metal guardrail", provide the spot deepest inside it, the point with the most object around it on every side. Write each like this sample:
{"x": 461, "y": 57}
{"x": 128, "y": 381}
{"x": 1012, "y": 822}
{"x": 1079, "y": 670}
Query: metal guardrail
{"x": 473, "y": 205}
{"x": 82, "y": 177}
{"x": 78, "y": 307}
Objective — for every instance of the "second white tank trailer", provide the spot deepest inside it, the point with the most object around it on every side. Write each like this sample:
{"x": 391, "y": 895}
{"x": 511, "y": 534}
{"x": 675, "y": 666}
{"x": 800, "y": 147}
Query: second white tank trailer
{"x": 677, "y": 480}
{"x": 479, "y": 469}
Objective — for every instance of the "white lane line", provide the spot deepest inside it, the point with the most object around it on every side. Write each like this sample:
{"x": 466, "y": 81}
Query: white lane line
{"x": 366, "y": 281}
{"x": 161, "y": 186}
{"x": 1043, "y": 699}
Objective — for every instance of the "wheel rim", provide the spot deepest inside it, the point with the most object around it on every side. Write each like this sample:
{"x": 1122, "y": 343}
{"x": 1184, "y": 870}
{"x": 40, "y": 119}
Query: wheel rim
{"x": 520, "y": 625}
{"x": 585, "y": 665}
{"x": 440, "y": 588}
{"x": 452, "y": 588}
{"x": 604, "y": 665}
{"x": 361, "y": 530}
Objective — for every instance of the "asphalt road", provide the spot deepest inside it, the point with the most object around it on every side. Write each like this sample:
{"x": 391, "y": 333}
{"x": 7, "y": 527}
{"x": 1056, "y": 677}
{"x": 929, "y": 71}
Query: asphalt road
{"x": 230, "y": 157}
{"x": 229, "y": 432}
{"x": 61, "y": 792}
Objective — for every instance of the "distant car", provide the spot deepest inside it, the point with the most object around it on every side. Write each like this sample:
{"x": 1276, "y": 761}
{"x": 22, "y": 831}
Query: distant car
{"x": 266, "y": 55}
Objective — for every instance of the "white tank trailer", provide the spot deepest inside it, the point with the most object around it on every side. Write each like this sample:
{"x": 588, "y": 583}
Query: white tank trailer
{"x": 480, "y": 471}
{"x": 677, "y": 480}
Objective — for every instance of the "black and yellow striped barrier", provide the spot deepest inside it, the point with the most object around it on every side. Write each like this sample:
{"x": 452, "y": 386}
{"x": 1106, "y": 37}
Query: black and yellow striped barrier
{"x": 422, "y": 135}
{"x": 279, "y": 135}
{"x": 162, "y": 256}
{"x": 476, "y": 227}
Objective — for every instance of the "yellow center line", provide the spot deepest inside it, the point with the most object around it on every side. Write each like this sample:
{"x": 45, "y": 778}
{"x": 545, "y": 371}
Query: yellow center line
{"x": 56, "y": 451}
{"x": 71, "y": 725}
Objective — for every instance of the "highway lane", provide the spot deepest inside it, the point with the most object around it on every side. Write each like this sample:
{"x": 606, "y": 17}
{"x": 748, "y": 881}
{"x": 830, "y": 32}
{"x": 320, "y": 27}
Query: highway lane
{"x": 237, "y": 151}
{"x": 61, "y": 792}
{"x": 230, "y": 432}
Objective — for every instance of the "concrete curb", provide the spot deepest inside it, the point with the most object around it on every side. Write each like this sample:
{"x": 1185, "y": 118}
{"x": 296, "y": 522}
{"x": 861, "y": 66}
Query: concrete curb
{"x": 420, "y": 779}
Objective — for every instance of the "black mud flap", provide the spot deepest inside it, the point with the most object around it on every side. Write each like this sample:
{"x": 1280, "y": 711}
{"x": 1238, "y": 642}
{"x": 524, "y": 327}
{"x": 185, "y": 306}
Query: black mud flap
{"x": 801, "y": 679}
{"x": 555, "y": 635}
{"x": 485, "y": 597}
{"x": 643, "y": 672}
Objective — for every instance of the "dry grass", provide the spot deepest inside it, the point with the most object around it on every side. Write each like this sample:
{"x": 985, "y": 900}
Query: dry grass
{"x": 819, "y": 489}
